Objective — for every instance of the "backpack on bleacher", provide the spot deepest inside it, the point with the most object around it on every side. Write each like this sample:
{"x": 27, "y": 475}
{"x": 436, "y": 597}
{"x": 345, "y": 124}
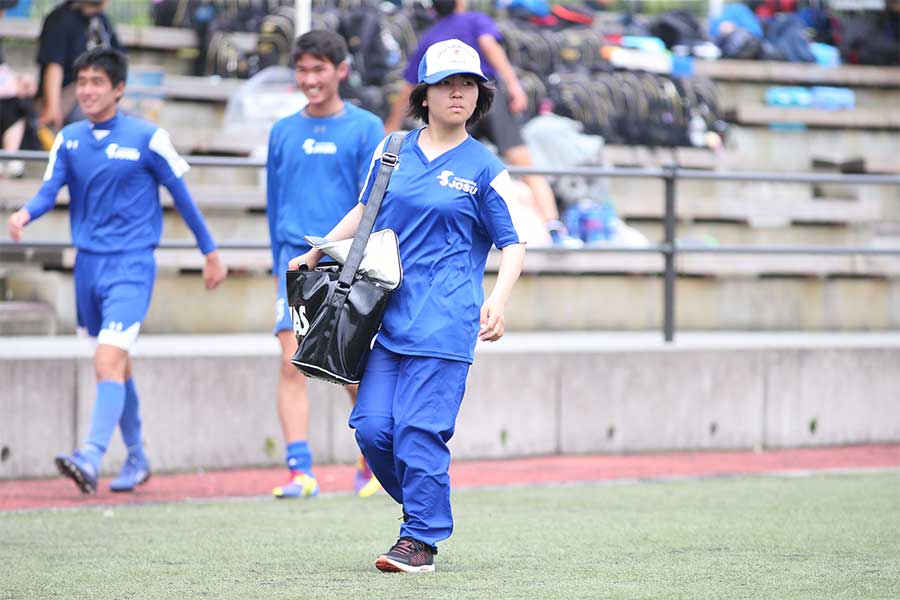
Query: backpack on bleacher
{"x": 276, "y": 37}
{"x": 701, "y": 101}
{"x": 535, "y": 91}
{"x": 164, "y": 12}
{"x": 739, "y": 44}
{"x": 870, "y": 40}
{"x": 526, "y": 47}
{"x": 787, "y": 33}
{"x": 226, "y": 59}
{"x": 400, "y": 26}
{"x": 374, "y": 53}
{"x": 677, "y": 28}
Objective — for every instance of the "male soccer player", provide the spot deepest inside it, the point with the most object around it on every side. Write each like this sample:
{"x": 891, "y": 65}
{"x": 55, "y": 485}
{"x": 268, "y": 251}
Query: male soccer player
{"x": 113, "y": 165}
{"x": 317, "y": 163}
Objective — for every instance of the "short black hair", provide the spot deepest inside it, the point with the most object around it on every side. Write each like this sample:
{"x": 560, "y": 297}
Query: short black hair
{"x": 323, "y": 44}
{"x": 482, "y": 105}
{"x": 444, "y": 7}
{"x": 110, "y": 60}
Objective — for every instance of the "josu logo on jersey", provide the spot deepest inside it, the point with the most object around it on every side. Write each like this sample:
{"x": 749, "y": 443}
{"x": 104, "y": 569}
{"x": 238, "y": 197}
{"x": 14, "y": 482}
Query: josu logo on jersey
{"x": 71, "y": 144}
{"x": 448, "y": 179}
{"x": 311, "y": 146}
{"x": 118, "y": 152}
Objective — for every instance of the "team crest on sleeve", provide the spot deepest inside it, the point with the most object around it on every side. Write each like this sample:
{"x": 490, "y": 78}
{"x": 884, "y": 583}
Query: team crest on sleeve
{"x": 448, "y": 179}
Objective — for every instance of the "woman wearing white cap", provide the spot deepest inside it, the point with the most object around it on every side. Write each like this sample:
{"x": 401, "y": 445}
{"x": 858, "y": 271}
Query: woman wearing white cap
{"x": 447, "y": 202}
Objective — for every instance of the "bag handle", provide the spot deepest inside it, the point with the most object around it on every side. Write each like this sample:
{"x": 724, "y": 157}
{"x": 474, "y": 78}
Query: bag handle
{"x": 367, "y": 223}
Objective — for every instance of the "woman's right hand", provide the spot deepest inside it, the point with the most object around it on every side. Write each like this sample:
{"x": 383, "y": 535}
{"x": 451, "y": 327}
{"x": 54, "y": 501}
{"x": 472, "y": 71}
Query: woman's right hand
{"x": 16, "y": 223}
{"x": 310, "y": 259}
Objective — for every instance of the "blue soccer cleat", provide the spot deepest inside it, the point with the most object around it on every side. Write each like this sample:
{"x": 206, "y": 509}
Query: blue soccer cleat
{"x": 302, "y": 485}
{"x": 79, "y": 469}
{"x": 135, "y": 472}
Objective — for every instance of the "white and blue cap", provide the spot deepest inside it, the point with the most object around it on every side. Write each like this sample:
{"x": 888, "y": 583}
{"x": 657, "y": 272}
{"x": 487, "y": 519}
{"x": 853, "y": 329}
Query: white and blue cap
{"x": 450, "y": 57}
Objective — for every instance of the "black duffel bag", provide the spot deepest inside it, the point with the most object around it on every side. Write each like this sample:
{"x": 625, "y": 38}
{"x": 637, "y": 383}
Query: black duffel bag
{"x": 337, "y": 313}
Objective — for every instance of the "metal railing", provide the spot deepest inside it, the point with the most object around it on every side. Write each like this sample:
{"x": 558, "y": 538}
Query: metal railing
{"x": 669, "y": 248}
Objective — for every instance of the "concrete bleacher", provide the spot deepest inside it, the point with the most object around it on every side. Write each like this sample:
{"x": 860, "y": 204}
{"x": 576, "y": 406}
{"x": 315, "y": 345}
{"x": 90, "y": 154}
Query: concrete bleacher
{"x": 27, "y": 318}
{"x": 879, "y": 87}
{"x": 814, "y": 292}
{"x": 574, "y": 392}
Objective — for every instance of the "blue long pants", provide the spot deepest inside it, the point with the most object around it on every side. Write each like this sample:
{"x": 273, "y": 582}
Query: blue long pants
{"x": 404, "y": 416}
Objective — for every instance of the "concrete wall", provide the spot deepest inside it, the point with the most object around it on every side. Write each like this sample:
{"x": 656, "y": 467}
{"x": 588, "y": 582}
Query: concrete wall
{"x": 209, "y": 401}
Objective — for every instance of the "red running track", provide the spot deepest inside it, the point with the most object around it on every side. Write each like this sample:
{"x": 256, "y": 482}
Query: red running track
{"x": 62, "y": 493}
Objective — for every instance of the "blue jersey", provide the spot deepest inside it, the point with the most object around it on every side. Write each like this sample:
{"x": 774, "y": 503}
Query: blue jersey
{"x": 113, "y": 171}
{"x": 315, "y": 169}
{"x": 447, "y": 213}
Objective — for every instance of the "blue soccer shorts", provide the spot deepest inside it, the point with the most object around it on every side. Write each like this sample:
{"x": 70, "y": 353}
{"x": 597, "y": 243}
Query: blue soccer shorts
{"x": 112, "y": 294}
{"x": 283, "y": 321}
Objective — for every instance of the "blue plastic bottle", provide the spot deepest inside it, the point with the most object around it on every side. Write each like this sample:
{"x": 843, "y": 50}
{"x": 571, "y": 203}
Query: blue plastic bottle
{"x": 592, "y": 223}
{"x": 572, "y": 219}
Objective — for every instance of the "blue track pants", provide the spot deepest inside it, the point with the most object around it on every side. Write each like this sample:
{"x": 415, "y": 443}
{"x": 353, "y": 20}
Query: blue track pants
{"x": 404, "y": 416}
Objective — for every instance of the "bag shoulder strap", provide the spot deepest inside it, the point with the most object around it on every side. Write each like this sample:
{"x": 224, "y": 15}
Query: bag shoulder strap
{"x": 358, "y": 248}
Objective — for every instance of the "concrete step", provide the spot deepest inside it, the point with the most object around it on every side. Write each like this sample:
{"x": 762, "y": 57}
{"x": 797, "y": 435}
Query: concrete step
{"x": 581, "y": 290}
{"x": 252, "y": 227}
{"x": 172, "y": 40}
{"x": 27, "y": 318}
{"x": 736, "y": 93}
{"x": 886, "y": 118}
{"x": 747, "y": 148}
{"x": 786, "y": 150}
{"x": 767, "y": 204}
{"x": 782, "y": 73}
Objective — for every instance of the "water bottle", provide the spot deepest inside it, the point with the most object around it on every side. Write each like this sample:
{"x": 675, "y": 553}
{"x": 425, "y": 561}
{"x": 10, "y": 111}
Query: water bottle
{"x": 610, "y": 222}
{"x": 592, "y": 223}
{"x": 572, "y": 219}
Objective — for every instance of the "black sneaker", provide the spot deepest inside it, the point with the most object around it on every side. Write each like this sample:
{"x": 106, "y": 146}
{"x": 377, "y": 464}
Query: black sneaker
{"x": 407, "y": 556}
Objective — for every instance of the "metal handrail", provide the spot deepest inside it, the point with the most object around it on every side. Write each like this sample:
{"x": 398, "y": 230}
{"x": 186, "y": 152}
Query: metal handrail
{"x": 591, "y": 171}
{"x": 669, "y": 248}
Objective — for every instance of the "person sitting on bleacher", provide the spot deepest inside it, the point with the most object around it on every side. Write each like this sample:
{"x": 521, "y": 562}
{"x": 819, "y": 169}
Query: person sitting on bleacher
{"x": 16, "y": 91}
{"x": 71, "y": 28}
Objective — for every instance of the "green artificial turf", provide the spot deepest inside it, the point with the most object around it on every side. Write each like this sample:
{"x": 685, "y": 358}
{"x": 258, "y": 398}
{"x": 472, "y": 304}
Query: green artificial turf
{"x": 825, "y": 536}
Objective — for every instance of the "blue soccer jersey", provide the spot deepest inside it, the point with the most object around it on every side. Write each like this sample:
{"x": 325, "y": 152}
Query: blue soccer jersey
{"x": 314, "y": 172}
{"x": 113, "y": 171}
{"x": 447, "y": 213}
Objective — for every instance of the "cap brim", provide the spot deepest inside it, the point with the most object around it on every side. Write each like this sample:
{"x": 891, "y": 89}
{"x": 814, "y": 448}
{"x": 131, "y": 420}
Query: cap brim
{"x": 435, "y": 77}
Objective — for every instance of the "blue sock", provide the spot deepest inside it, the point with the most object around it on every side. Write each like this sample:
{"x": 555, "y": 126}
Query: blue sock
{"x": 130, "y": 423}
{"x": 106, "y": 415}
{"x": 299, "y": 457}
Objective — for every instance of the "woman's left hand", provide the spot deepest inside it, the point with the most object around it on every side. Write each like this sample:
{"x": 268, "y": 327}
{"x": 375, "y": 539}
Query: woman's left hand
{"x": 492, "y": 325}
